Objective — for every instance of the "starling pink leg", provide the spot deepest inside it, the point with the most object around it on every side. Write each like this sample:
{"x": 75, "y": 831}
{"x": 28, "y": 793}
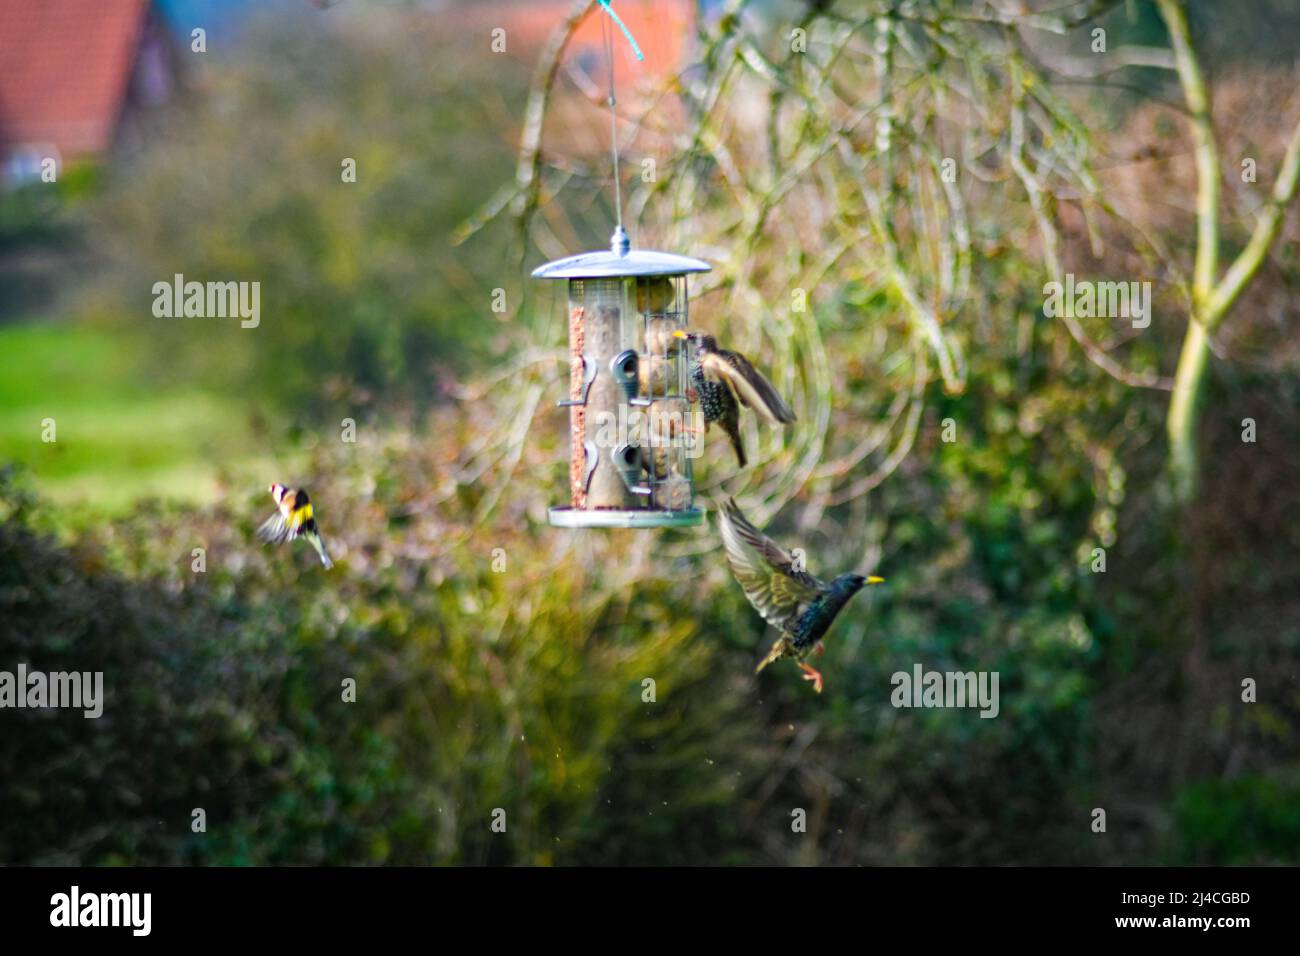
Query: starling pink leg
{"x": 812, "y": 675}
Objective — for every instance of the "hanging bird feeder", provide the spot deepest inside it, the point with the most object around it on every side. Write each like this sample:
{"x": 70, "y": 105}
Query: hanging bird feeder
{"x": 631, "y": 437}
{"x": 629, "y": 419}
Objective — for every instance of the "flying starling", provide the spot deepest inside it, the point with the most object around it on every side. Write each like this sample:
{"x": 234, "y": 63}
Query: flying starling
{"x": 723, "y": 381}
{"x": 294, "y": 519}
{"x": 788, "y": 597}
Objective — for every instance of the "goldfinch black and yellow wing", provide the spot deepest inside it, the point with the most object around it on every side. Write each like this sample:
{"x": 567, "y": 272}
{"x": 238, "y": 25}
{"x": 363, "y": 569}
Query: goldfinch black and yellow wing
{"x": 764, "y": 570}
{"x": 298, "y": 513}
{"x": 752, "y": 389}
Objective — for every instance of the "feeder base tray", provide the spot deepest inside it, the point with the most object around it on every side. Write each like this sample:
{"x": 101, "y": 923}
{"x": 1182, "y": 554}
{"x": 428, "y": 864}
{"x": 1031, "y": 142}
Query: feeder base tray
{"x": 640, "y": 518}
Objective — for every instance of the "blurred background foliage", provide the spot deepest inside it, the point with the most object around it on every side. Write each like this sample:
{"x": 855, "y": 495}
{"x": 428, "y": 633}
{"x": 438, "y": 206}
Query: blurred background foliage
{"x": 365, "y": 292}
{"x": 519, "y": 685}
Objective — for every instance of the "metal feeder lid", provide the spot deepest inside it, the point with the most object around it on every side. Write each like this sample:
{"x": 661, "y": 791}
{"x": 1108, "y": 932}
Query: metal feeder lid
{"x": 629, "y": 518}
{"x": 620, "y": 261}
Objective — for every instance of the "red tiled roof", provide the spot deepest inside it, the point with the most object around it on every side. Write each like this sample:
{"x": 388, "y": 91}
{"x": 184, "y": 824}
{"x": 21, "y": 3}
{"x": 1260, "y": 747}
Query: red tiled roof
{"x": 662, "y": 29}
{"x": 64, "y": 69}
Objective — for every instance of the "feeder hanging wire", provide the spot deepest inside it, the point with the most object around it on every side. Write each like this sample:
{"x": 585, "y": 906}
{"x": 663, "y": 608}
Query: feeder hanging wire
{"x": 621, "y": 242}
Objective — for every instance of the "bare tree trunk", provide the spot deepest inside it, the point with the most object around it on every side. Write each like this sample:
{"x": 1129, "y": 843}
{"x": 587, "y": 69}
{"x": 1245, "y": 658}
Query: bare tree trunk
{"x": 1212, "y": 298}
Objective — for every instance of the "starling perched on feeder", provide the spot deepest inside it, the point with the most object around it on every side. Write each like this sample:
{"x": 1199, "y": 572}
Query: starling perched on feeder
{"x": 725, "y": 380}
{"x": 294, "y": 519}
{"x": 788, "y": 597}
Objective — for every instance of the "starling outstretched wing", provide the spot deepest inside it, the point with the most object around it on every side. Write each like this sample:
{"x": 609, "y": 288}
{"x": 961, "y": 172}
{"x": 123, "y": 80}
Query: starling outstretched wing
{"x": 765, "y": 570}
{"x": 753, "y": 390}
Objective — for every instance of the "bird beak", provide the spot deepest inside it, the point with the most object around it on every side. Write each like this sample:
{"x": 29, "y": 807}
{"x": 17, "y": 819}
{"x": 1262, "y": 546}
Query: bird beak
{"x": 875, "y": 580}
{"x": 679, "y": 334}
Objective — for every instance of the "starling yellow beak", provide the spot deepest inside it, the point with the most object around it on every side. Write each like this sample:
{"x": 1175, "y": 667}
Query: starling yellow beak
{"x": 294, "y": 518}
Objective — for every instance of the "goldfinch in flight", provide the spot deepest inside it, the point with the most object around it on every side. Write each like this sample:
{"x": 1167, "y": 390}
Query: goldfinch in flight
{"x": 293, "y": 520}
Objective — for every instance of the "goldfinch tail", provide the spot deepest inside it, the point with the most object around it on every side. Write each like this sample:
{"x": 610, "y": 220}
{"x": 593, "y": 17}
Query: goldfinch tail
{"x": 319, "y": 545}
{"x": 778, "y": 651}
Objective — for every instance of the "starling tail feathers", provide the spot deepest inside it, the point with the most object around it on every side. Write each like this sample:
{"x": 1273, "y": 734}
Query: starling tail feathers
{"x": 779, "y": 650}
{"x": 732, "y": 428}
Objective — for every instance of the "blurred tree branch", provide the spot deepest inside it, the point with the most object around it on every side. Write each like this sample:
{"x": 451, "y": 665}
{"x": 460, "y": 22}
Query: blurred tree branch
{"x": 858, "y": 151}
{"x": 1212, "y": 298}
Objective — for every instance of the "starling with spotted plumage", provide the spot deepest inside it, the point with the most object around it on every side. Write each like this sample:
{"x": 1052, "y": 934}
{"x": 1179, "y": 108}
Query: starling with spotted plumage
{"x": 294, "y": 518}
{"x": 799, "y": 605}
{"x": 723, "y": 381}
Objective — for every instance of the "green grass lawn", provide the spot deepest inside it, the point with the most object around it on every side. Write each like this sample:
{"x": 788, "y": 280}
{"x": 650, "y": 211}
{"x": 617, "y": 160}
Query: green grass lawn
{"x": 118, "y": 439}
